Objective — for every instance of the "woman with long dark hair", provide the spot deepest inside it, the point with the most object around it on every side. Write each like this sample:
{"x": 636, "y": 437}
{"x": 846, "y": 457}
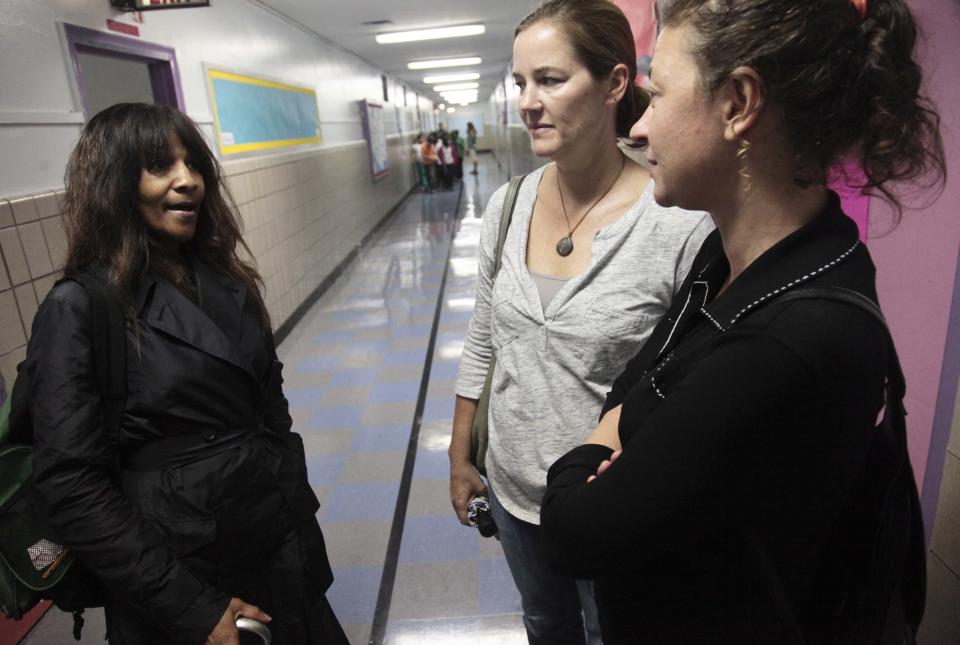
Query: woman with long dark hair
{"x": 198, "y": 510}
{"x": 710, "y": 499}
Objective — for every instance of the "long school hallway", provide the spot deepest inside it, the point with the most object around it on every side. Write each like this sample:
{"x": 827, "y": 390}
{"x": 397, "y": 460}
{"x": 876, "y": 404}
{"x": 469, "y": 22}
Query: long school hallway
{"x": 370, "y": 372}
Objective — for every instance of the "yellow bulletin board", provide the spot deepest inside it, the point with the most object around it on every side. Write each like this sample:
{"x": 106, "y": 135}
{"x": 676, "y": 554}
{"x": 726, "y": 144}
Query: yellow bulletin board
{"x": 251, "y": 113}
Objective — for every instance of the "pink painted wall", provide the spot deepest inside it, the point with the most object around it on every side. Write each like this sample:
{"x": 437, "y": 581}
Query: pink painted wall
{"x": 852, "y": 200}
{"x": 917, "y": 262}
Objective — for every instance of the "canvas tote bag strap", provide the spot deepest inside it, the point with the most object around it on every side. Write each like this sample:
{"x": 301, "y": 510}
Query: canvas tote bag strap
{"x": 509, "y": 203}
{"x": 479, "y": 432}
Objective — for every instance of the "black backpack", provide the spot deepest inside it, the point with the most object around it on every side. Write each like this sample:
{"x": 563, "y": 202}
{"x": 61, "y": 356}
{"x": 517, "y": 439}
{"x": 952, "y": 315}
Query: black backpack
{"x": 33, "y": 565}
{"x": 872, "y": 586}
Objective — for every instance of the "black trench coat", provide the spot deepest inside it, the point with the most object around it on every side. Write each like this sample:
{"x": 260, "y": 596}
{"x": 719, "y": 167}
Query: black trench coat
{"x": 227, "y": 514}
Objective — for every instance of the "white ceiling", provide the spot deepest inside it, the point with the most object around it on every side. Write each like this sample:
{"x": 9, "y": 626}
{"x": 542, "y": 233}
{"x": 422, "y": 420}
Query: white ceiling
{"x": 342, "y": 22}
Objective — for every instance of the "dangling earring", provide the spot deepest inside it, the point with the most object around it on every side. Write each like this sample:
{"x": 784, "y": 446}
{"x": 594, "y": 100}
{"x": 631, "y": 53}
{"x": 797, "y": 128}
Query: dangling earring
{"x": 743, "y": 150}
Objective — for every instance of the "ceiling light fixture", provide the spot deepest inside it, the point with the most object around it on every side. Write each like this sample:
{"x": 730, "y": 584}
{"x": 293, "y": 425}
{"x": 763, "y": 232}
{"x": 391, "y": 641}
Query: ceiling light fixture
{"x": 430, "y": 34}
{"x": 442, "y": 106}
{"x": 451, "y": 110}
{"x": 455, "y": 86}
{"x": 460, "y": 99}
{"x": 446, "y": 62}
{"x": 450, "y": 78}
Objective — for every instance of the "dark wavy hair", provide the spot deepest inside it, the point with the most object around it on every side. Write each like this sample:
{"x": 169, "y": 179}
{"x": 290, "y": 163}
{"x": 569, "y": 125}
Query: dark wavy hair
{"x": 104, "y": 223}
{"x": 601, "y": 37}
{"x": 842, "y": 85}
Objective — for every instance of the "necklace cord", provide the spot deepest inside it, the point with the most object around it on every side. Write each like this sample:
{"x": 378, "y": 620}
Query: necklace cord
{"x": 563, "y": 206}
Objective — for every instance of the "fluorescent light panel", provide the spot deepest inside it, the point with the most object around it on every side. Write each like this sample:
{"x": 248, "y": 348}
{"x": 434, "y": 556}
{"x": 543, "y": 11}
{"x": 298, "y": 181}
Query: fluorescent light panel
{"x": 430, "y": 34}
{"x": 455, "y": 86}
{"x": 446, "y": 62}
{"x": 451, "y": 110}
{"x": 450, "y": 78}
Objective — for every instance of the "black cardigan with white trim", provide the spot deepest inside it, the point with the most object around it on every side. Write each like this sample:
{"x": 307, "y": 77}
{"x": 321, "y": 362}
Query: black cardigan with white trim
{"x": 744, "y": 424}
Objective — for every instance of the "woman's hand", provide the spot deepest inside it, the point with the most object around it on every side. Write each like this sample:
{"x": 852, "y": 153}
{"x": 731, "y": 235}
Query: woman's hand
{"x": 465, "y": 484}
{"x": 226, "y": 633}
{"x": 602, "y": 468}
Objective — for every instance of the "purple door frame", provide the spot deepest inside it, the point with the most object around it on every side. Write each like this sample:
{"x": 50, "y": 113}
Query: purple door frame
{"x": 161, "y": 61}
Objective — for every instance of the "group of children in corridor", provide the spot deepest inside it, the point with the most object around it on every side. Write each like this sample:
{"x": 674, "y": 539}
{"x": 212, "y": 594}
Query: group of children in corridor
{"x": 438, "y": 157}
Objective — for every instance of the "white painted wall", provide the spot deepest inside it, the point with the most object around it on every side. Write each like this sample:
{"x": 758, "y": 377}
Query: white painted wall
{"x": 40, "y": 119}
{"x": 467, "y": 114}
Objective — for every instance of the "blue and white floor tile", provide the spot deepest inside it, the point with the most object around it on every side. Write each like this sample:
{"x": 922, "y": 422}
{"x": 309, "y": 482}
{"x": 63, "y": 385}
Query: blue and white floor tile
{"x": 354, "y": 367}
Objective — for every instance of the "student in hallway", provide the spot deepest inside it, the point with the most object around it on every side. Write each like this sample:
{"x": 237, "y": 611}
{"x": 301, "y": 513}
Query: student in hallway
{"x": 430, "y": 161}
{"x": 472, "y": 146}
{"x": 416, "y": 150}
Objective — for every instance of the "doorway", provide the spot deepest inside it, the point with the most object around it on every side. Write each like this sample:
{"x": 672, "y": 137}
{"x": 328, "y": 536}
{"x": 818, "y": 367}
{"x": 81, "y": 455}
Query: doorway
{"x": 109, "y": 69}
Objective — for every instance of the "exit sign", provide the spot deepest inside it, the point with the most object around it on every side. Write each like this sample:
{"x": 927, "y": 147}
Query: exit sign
{"x": 148, "y": 5}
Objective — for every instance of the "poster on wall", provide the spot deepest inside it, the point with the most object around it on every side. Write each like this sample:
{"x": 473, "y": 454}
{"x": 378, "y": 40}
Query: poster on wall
{"x": 376, "y": 136}
{"x": 252, "y": 113}
{"x": 643, "y": 18}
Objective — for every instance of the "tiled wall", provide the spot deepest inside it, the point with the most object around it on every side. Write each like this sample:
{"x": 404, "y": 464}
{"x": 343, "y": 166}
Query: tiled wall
{"x": 303, "y": 212}
{"x": 33, "y": 245}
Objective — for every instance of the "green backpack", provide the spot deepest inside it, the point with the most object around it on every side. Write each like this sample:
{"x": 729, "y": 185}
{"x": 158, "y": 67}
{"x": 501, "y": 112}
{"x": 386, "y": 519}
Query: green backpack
{"x": 33, "y": 565}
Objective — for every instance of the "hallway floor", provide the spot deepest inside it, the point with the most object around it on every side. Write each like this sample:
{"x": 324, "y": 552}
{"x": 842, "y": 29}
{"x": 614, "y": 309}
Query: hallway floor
{"x": 370, "y": 367}
{"x": 355, "y": 367}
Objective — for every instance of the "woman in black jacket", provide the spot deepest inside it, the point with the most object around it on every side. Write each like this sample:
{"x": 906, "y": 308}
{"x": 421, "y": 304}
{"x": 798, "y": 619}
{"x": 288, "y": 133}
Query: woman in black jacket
{"x": 704, "y": 502}
{"x": 198, "y": 511}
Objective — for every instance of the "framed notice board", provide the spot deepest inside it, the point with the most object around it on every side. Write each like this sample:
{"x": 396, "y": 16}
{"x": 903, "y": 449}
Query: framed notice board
{"x": 376, "y": 136}
{"x": 252, "y": 113}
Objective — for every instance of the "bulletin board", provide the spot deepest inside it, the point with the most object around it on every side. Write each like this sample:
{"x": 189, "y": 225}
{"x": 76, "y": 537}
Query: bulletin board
{"x": 376, "y": 136}
{"x": 251, "y": 113}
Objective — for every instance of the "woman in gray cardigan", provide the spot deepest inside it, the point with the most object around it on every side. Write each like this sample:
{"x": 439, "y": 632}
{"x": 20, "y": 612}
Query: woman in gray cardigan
{"x": 590, "y": 264}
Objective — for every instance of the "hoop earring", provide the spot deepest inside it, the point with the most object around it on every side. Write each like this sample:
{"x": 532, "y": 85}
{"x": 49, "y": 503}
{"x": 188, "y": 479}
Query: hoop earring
{"x": 743, "y": 151}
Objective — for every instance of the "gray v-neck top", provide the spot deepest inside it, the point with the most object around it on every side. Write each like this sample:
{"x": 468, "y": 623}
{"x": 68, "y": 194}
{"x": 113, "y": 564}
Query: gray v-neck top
{"x": 547, "y": 287}
{"x": 555, "y": 363}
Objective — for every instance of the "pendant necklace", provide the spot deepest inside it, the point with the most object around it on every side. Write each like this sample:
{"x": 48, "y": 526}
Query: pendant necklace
{"x": 565, "y": 245}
